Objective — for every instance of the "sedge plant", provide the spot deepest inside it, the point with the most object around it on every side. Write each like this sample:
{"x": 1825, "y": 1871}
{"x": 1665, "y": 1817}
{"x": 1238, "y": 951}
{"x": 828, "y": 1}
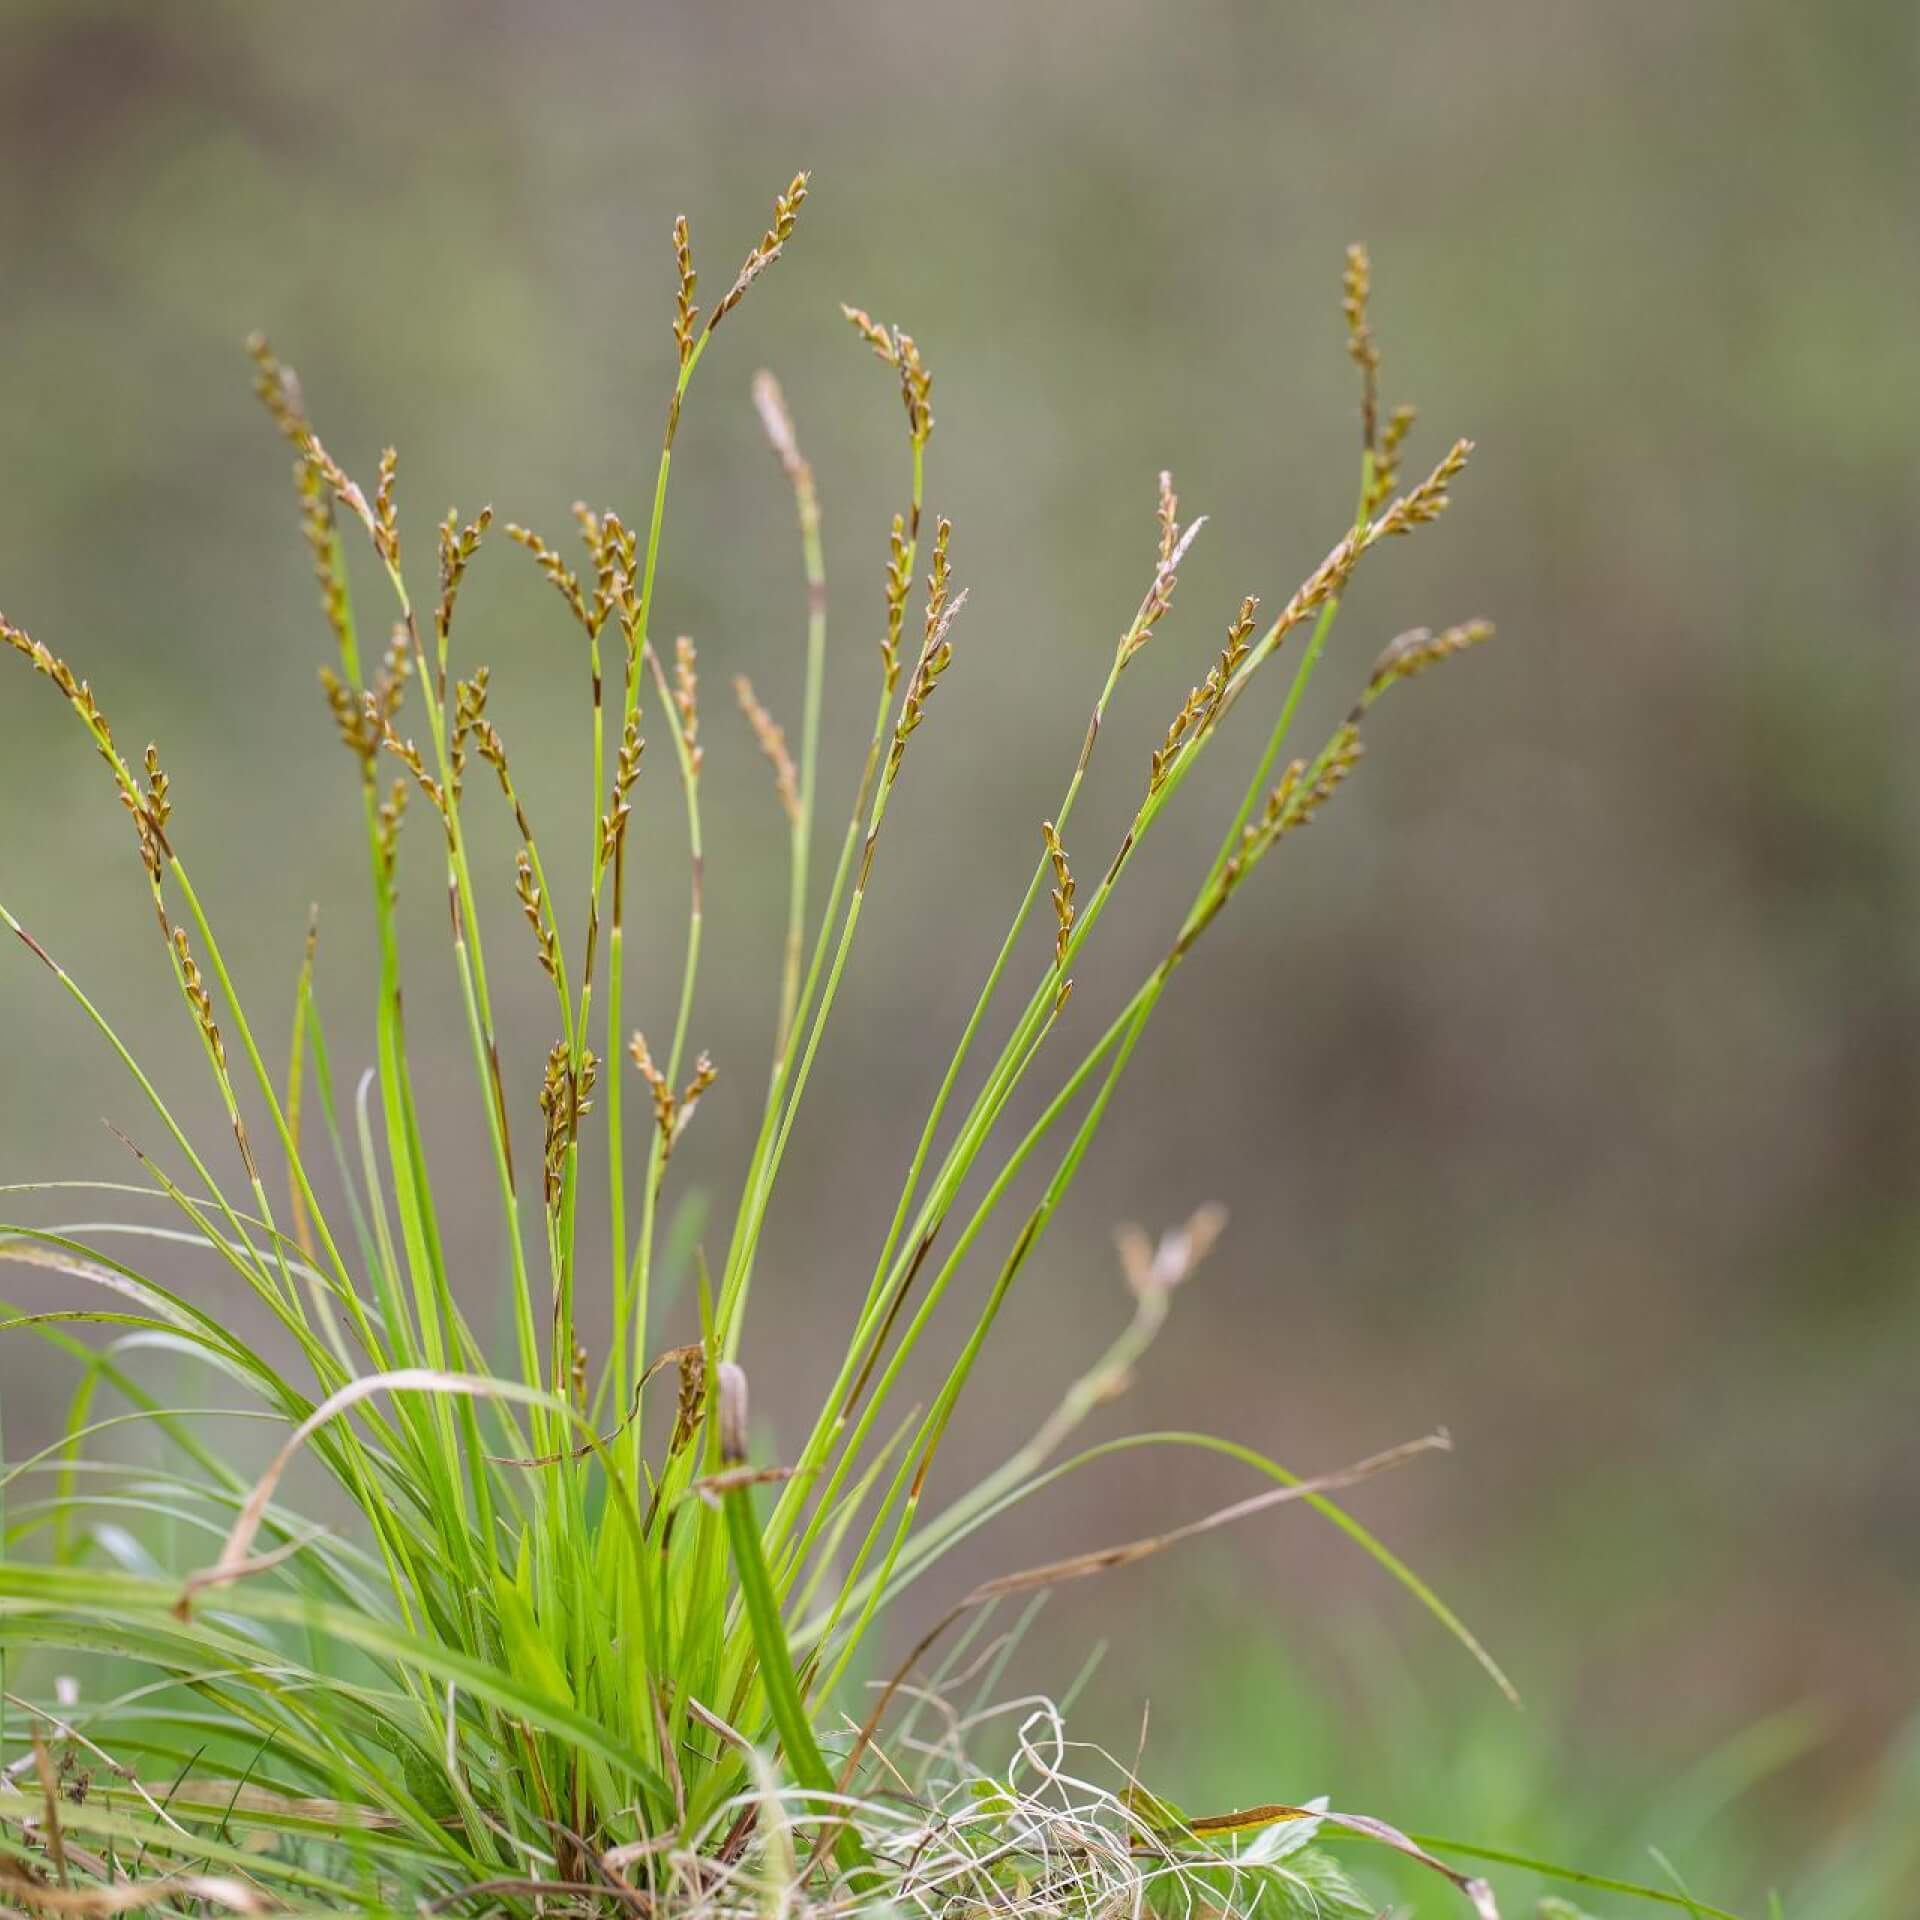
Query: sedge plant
{"x": 565, "y": 1654}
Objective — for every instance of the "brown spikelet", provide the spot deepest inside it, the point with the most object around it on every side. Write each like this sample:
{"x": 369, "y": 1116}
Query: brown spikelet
{"x": 1312, "y": 789}
{"x": 534, "y": 905}
{"x": 564, "y": 1103}
{"x": 344, "y": 489}
{"x": 685, "y": 314}
{"x": 916, "y": 388}
{"x": 458, "y": 545}
{"x": 1174, "y": 542}
{"x": 691, "y": 1397}
{"x": 626, "y": 765}
{"x": 278, "y": 390}
{"x": 390, "y": 682}
{"x": 149, "y": 823}
{"x": 559, "y": 575}
{"x": 773, "y": 743}
{"x": 317, "y": 525}
{"x": 198, "y": 998}
{"x": 1386, "y": 460}
{"x": 159, "y": 807}
{"x": 626, "y": 770}
{"x": 620, "y": 578}
{"x": 871, "y": 331}
{"x": 786, "y": 213}
{"x": 1160, "y": 761}
{"x": 314, "y": 476}
{"x": 469, "y": 711}
{"x": 357, "y": 733}
{"x": 1429, "y": 499}
{"x": 936, "y": 652}
{"x": 663, "y": 1102}
{"x": 1063, "y": 891}
{"x": 1239, "y": 639}
{"x": 613, "y": 821}
{"x": 613, "y": 832}
{"x": 1413, "y": 653}
{"x": 899, "y": 350}
{"x": 1325, "y": 583}
{"x": 387, "y": 835}
{"x": 671, "y": 1111}
{"x": 686, "y": 700}
{"x": 1356, "y": 289}
{"x": 899, "y": 585}
{"x": 1202, "y": 704}
{"x": 488, "y": 744}
{"x": 409, "y": 757}
{"x": 705, "y": 1073}
{"x": 1293, "y": 802}
{"x": 594, "y": 535}
{"x": 386, "y": 536}
{"x": 940, "y": 577}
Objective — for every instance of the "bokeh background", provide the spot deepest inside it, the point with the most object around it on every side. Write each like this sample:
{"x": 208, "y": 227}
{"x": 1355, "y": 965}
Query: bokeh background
{"x": 1564, "y": 1083}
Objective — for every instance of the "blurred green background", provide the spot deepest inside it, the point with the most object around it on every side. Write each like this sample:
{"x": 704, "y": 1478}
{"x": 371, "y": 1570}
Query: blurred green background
{"x": 1564, "y": 1084}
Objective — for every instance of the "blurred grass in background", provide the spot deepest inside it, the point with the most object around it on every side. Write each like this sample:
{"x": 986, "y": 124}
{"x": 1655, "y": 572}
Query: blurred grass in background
{"x": 1566, "y": 1088}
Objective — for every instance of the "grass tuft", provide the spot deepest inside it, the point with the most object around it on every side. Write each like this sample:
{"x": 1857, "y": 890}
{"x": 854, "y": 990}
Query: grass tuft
{"x": 558, "y": 1656}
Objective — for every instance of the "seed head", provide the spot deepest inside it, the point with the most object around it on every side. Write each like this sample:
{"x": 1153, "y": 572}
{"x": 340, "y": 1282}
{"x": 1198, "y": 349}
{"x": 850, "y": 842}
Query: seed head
{"x": 1386, "y": 460}
{"x": 671, "y": 1111}
{"x": 872, "y": 332}
{"x": 626, "y": 765}
{"x": 317, "y": 524}
{"x": 469, "y": 711}
{"x": 1413, "y": 653}
{"x": 916, "y": 388}
{"x": 386, "y": 535}
{"x": 1174, "y": 542}
{"x": 786, "y": 213}
{"x": 1427, "y": 501}
{"x": 559, "y": 575}
{"x": 619, "y": 582}
{"x": 1202, "y": 704}
{"x": 1311, "y": 789}
{"x": 407, "y": 754}
{"x": 685, "y": 313}
{"x": 387, "y": 834}
{"x": 899, "y": 585}
{"x": 159, "y": 807}
{"x": 686, "y": 701}
{"x": 344, "y": 489}
{"x": 149, "y": 826}
{"x": 771, "y": 405}
{"x": 533, "y": 905}
{"x": 899, "y": 351}
{"x": 1356, "y": 289}
{"x": 936, "y": 653}
{"x": 1155, "y": 1269}
{"x": 773, "y": 743}
{"x": 564, "y": 1103}
{"x": 198, "y": 998}
{"x": 278, "y": 389}
{"x": 1063, "y": 891}
{"x": 458, "y": 545}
